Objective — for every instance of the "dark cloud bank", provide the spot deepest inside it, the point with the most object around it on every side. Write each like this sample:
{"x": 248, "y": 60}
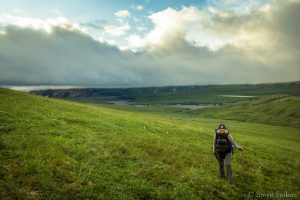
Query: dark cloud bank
{"x": 69, "y": 57}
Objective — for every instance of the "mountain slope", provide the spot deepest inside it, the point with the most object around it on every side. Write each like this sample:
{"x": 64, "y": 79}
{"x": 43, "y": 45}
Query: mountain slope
{"x": 54, "y": 149}
{"x": 277, "y": 110}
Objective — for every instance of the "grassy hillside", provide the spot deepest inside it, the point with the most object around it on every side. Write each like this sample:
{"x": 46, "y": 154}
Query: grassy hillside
{"x": 54, "y": 149}
{"x": 276, "y": 110}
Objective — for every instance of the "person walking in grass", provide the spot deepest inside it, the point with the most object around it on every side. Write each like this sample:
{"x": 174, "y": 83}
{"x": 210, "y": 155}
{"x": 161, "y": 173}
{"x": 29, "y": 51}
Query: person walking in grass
{"x": 223, "y": 145}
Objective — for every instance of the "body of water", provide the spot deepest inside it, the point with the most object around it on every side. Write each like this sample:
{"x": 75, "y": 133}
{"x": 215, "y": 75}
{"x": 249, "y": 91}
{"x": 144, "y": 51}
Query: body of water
{"x": 120, "y": 102}
{"x": 191, "y": 107}
{"x": 185, "y": 106}
{"x": 236, "y": 96}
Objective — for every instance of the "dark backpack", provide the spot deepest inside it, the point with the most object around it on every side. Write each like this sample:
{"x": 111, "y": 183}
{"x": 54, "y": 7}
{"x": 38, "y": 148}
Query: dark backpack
{"x": 223, "y": 145}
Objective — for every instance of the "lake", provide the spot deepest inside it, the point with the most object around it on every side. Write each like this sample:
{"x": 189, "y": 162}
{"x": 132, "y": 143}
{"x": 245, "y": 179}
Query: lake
{"x": 236, "y": 96}
{"x": 185, "y": 106}
{"x": 191, "y": 107}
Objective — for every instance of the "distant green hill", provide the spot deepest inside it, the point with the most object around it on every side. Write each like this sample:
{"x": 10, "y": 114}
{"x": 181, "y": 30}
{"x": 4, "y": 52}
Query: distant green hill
{"x": 276, "y": 110}
{"x": 55, "y": 149}
{"x": 178, "y": 94}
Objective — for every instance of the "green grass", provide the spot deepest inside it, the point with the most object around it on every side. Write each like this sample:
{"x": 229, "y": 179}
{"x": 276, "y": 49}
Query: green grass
{"x": 177, "y": 94}
{"x": 55, "y": 149}
{"x": 277, "y": 110}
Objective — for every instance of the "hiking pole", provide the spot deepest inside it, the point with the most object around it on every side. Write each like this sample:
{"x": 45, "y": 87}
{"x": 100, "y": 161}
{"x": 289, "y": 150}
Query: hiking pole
{"x": 241, "y": 149}
{"x": 241, "y": 153}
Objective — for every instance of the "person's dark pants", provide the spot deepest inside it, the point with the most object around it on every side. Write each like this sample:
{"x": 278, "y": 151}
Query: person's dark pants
{"x": 227, "y": 159}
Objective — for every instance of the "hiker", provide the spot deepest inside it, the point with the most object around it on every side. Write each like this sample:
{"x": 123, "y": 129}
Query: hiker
{"x": 223, "y": 145}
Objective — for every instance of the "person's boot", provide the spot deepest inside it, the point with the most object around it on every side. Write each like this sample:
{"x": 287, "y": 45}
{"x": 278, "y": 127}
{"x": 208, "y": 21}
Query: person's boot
{"x": 222, "y": 173}
{"x": 229, "y": 174}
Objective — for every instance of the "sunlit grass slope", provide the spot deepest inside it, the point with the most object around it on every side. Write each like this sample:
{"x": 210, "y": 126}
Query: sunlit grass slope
{"x": 276, "y": 110}
{"x": 54, "y": 149}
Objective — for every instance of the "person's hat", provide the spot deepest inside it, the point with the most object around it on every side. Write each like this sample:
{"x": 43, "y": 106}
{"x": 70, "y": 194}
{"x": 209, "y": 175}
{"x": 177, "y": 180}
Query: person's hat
{"x": 222, "y": 126}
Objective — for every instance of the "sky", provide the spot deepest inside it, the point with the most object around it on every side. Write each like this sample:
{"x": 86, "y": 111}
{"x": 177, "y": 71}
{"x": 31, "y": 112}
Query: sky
{"x": 132, "y": 43}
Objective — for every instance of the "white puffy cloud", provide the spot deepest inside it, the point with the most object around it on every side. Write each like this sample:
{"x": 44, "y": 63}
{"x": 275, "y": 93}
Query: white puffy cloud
{"x": 57, "y": 12}
{"x": 116, "y": 30}
{"x": 122, "y": 13}
{"x": 38, "y": 24}
{"x": 186, "y": 46}
{"x": 171, "y": 22}
{"x": 135, "y": 42}
{"x": 16, "y": 10}
{"x": 137, "y": 7}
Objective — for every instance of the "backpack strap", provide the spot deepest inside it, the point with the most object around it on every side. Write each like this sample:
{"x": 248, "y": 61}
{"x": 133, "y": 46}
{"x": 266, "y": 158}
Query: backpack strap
{"x": 227, "y": 135}
{"x": 229, "y": 143}
{"x": 216, "y": 137}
